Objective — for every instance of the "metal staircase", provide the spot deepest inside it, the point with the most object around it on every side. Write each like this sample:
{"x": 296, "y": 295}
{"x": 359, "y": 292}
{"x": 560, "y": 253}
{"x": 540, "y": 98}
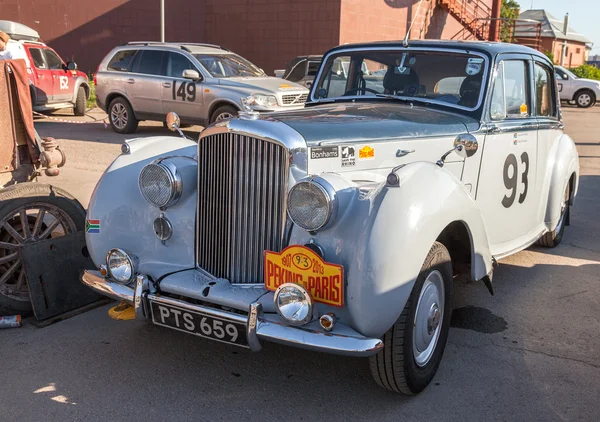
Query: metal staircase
{"x": 474, "y": 15}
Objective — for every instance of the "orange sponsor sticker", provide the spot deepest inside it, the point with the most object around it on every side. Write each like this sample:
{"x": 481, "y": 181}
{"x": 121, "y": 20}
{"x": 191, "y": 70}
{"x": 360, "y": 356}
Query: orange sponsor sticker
{"x": 366, "y": 152}
{"x": 300, "y": 265}
{"x": 523, "y": 108}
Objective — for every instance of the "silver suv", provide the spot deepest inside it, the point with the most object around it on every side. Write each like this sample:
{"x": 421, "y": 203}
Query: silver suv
{"x": 202, "y": 83}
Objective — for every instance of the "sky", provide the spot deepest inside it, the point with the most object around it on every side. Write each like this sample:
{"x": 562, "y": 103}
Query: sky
{"x": 584, "y": 15}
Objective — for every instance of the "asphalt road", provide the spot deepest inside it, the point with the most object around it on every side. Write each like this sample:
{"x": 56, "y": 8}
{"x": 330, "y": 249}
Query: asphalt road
{"x": 531, "y": 352}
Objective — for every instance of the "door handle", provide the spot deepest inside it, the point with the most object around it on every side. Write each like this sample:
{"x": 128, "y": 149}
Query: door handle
{"x": 493, "y": 129}
{"x": 167, "y": 85}
{"x": 130, "y": 81}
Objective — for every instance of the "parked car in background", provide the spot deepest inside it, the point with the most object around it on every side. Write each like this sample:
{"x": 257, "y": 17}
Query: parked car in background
{"x": 301, "y": 70}
{"x": 55, "y": 83}
{"x": 340, "y": 227}
{"x": 202, "y": 83}
{"x": 584, "y": 92}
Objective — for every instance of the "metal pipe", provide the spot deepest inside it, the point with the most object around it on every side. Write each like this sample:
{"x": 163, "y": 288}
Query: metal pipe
{"x": 495, "y": 23}
{"x": 162, "y": 20}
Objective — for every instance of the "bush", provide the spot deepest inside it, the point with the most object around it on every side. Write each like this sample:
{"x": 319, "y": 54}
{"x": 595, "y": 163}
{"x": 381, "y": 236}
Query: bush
{"x": 587, "y": 71}
{"x": 91, "y": 102}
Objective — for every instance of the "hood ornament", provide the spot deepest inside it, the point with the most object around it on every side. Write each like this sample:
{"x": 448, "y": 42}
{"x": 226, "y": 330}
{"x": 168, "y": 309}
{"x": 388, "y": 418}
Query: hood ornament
{"x": 247, "y": 112}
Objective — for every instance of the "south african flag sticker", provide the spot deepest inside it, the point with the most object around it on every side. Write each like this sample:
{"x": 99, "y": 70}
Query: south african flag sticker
{"x": 92, "y": 226}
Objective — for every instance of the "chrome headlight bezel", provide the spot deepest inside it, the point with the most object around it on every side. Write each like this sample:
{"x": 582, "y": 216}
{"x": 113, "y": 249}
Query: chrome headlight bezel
{"x": 131, "y": 260}
{"x": 328, "y": 192}
{"x": 303, "y": 293}
{"x": 175, "y": 183}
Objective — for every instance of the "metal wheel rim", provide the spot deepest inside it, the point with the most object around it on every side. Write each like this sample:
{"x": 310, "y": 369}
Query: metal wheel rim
{"x": 223, "y": 116}
{"x": 584, "y": 99}
{"x": 429, "y": 317}
{"x": 42, "y": 221}
{"x": 118, "y": 115}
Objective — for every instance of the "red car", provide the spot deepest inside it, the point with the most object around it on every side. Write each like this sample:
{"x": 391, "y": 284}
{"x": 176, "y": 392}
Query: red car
{"x": 56, "y": 84}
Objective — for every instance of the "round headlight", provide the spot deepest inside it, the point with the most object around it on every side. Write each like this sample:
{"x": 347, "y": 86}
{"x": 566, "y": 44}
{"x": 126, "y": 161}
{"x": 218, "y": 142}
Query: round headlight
{"x": 294, "y": 304}
{"x": 160, "y": 184}
{"x": 311, "y": 203}
{"x": 120, "y": 266}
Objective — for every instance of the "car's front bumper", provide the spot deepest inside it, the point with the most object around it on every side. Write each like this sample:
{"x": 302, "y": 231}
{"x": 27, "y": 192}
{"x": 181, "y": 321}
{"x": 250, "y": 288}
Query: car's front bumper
{"x": 259, "y": 326}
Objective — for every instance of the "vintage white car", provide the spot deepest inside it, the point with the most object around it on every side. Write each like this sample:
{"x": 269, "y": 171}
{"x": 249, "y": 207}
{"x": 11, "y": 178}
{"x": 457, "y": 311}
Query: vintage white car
{"x": 339, "y": 227}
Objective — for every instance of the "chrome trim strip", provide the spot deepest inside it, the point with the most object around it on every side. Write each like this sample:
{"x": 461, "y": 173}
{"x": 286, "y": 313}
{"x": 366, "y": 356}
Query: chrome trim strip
{"x": 408, "y": 49}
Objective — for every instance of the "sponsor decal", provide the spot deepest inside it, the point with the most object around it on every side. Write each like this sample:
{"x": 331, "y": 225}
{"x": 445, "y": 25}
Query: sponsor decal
{"x": 473, "y": 69}
{"x": 366, "y": 153}
{"x": 92, "y": 226}
{"x": 298, "y": 264}
{"x": 348, "y": 156}
{"x": 475, "y": 60}
{"x": 285, "y": 86}
{"x": 324, "y": 152}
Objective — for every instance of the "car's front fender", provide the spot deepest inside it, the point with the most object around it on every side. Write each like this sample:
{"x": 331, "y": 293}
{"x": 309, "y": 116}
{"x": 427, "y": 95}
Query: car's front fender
{"x": 384, "y": 235}
{"x": 126, "y": 219}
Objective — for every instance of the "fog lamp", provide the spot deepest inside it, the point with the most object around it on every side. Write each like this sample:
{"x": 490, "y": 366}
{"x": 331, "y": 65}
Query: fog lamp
{"x": 294, "y": 304}
{"x": 120, "y": 266}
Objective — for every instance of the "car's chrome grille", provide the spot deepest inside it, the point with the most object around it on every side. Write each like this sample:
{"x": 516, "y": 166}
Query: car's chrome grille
{"x": 294, "y": 99}
{"x": 241, "y": 205}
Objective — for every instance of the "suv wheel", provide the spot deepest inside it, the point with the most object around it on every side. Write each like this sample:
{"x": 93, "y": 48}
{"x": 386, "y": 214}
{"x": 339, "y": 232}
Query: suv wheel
{"x": 223, "y": 112}
{"x": 121, "y": 116}
{"x": 79, "y": 109}
{"x": 585, "y": 99}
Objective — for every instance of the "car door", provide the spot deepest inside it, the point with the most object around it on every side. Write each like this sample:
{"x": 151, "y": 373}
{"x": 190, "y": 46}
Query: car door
{"x": 44, "y": 86}
{"x": 183, "y": 96}
{"x": 565, "y": 85}
{"x": 144, "y": 84}
{"x": 62, "y": 79}
{"x": 506, "y": 191}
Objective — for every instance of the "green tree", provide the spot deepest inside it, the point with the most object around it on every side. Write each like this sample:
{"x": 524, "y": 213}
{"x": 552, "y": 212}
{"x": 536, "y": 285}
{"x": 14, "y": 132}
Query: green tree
{"x": 550, "y": 55}
{"x": 587, "y": 71}
{"x": 509, "y": 10}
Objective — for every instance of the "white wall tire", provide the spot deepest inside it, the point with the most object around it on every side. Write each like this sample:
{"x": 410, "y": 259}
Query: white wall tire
{"x": 414, "y": 346}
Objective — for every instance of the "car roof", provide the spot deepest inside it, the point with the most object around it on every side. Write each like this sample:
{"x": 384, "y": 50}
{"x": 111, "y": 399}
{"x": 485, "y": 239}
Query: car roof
{"x": 492, "y": 48}
{"x": 190, "y": 47}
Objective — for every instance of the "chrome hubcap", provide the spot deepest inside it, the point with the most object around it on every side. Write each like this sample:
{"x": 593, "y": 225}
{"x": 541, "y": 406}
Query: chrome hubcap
{"x": 223, "y": 116}
{"x": 427, "y": 325}
{"x": 118, "y": 115}
{"x": 584, "y": 99}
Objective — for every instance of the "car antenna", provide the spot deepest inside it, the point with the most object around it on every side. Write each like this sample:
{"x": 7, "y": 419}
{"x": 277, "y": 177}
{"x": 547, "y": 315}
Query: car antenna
{"x": 405, "y": 41}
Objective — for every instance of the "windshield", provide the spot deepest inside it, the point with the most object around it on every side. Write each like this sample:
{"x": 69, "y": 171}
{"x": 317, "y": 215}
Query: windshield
{"x": 447, "y": 78}
{"x": 228, "y": 66}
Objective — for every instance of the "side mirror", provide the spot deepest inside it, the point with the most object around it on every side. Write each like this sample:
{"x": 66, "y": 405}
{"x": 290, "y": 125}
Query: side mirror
{"x": 72, "y": 66}
{"x": 192, "y": 75}
{"x": 466, "y": 145}
{"x": 173, "y": 121}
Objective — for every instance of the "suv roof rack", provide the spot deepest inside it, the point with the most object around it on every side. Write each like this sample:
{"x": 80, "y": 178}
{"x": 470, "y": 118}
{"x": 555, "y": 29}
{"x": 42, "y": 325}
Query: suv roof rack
{"x": 181, "y": 45}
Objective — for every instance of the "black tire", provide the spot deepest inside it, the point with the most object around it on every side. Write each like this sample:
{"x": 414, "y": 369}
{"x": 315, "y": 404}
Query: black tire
{"x": 223, "y": 111}
{"x": 12, "y": 199}
{"x": 395, "y": 367}
{"x": 80, "y": 102}
{"x": 585, "y": 99}
{"x": 552, "y": 239}
{"x": 121, "y": 116}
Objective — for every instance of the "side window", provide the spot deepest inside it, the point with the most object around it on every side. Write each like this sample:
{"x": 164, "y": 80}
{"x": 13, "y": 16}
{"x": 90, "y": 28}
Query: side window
{"x": 151, "y": 62}
{"x": 313, "y": 68}
{"x": 544, "y": 101}
{"x": 510, "y": 98}
{"x": 297, "y": 71}
{"x": 176, "y": 64}
{"x": 121, "y": 61}
{"x": 38, "y": 58}
{"x": 54, "y": 62}
{"x": 334, "y": 78}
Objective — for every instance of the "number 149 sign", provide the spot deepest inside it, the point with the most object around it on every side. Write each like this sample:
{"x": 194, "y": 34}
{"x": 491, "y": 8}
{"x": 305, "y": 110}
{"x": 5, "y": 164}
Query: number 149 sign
{"x": 186, "y": 91}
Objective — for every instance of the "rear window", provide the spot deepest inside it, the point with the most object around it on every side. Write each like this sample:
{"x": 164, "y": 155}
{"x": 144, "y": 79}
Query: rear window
{"x": 38, "y": 58}
{"x": 121, "y": 61}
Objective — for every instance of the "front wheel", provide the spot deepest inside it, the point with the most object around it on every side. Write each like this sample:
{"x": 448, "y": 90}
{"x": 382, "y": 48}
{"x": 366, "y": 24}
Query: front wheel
{"x": 414, "y": 346}
{"x": 585, "y": 99}
{"x": 79, "y": 109}
{"x": 223, "y": 113}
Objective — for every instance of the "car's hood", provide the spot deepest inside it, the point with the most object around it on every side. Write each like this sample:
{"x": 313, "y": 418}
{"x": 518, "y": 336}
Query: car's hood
{"x": 587, "y": 81}
{"x": 348, "y": 122}
{"x": 263, "y": 84}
